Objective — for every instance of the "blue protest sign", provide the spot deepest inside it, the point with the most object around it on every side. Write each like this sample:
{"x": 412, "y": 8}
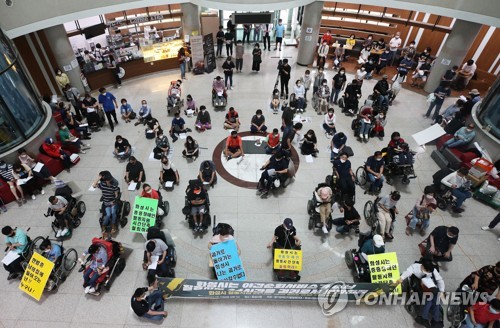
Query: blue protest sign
{"x": 227, "y": 263}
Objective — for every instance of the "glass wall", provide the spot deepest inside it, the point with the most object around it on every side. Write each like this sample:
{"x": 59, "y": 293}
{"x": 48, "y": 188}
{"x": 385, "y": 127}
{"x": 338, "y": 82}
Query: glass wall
{"x": 21, "y": 113}
{"x": 489, "y": 113}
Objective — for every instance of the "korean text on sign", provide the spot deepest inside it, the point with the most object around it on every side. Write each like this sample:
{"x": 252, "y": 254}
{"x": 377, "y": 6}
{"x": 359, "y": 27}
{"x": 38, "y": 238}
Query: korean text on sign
{"x": 143, "y": 214}
{"x": 288, "y": 259}
{"x": 36, "y": 275}
{"x": 227, "y": 262}
{"x": 384, "y": 268}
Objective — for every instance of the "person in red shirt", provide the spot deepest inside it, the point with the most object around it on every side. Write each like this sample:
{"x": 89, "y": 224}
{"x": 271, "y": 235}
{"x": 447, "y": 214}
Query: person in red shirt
{"x": 234, "y": 147}
{"x": 327, "y": 37}
{"x": 54, "y": 149}
{"x": 482, "y": 315}
{"x": 232, "y": 120}
{"x": 149, "y": 192}
{"x": 273, "y": 141}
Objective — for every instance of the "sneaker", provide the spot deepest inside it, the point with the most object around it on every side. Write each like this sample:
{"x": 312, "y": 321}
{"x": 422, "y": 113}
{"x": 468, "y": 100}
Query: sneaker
{"x": 360, "y": 136}
{"x": 457, "y": 210}
{"x": 82, "y": 152}
{"x": 33, "y": 197}
{"x": 485, "y": 228}
{"x": 91, "y": 290}
{"x": 24, "y": 201}
{"x": 87, "y": 145}
{"x": 42, "y": 191}
{"x": 64, "y": 232}
{"x": 229, "y": 157}
{"x": 13, "y": 275}
{"x": 59, "y": 233}
{"x": 87, "y": 289}
{"x": 325, "y": 229}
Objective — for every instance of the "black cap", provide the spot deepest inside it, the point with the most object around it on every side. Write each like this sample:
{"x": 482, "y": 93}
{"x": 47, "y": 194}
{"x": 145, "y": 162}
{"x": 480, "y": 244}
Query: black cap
{"x": 454, "y": 230}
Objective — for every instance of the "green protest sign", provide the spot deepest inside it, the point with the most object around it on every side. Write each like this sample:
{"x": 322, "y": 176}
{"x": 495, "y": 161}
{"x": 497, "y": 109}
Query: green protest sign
{"x": 143, "y": 214}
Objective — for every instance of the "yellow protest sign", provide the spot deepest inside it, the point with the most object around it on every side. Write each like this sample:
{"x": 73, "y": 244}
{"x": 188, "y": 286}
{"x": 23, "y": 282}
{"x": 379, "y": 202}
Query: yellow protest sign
{"x": 36, "y": 275}
{"x": 384, "y": 268}
{"x": 288, "y": 259}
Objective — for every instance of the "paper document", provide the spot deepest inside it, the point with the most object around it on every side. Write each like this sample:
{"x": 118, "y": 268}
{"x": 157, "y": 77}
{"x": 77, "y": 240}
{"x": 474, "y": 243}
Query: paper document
{"x": 169, "y": 184}
{"x": 75, "y": 139}
{"x": 84, "y": 125}
{"x": 10, "y": 257}
{"x": 20, "y": 182}
{"x": 182, "y": 135}
{"x": 121, "y": 153}
{"x": 38, "y": 167}
{"x": 309, "y": 159}
{"x": 132, "y": 186}
{"x": 91, "y": 188}
{"x": 154, "y": 262}
{"x": 335, "y": 150}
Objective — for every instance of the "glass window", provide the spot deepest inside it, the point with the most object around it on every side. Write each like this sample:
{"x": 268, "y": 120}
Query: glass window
{"x": 9, "y": 135}
{"x": 490, "y": 112}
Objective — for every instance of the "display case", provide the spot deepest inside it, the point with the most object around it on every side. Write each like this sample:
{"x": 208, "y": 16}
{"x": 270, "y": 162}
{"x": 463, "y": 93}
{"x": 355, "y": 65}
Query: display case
{"x": 160, "y": 51}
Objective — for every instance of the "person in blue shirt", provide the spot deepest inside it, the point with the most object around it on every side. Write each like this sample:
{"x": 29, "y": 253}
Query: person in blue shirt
{"x": 109, "y": 104}
{"x": 96, "y": 268}
{"x": 51, "y": 251}
{"x": 126, "y": 111}
{"x": 280, "y": 32}
{"x": 178, "y": 126}
{"x": 16, "y": 241}
{"x": 375, "y": 171}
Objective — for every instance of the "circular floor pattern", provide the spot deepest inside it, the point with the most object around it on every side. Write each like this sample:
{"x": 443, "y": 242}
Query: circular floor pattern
{"x": 245, "y": 172}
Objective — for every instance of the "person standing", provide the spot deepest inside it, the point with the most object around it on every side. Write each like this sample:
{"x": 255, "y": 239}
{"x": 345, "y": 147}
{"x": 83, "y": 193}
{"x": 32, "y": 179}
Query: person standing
{"x": 239, "y": 55}
{"x": 394, "y": 45}
{"x": 284, "y": 77}
{"x": 317, "y": 80}
{"x": 228, "y": 37}
{"x": 228, "y": 68}
{"x": 61, "y": 78}
{"x": 492, "y": 224}
{"x": 266, "y": 30}
{"x": 280, "y": 32}
{"x": 246, "y": 32}
{"x": 339, "y": 82}
{"x": 220, "y": 41}
{"x": 256, "y": 32}
{"x": 322, "y": 53}
{"x": 107, "y": 100}
{"x": 441, "y": 92}
{"x": 256, "y": 58}
{"x": 115, "y": 67}
{"x": 181, "y": 57}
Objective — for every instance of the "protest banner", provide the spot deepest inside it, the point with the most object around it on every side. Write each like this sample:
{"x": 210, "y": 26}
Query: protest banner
{"x": 36, "y": 275}
{"x": 384, "y": 268}
{"x": 227, "y": 262}
{"x": 288, "y": 259}
{"x": 143, "y": 214}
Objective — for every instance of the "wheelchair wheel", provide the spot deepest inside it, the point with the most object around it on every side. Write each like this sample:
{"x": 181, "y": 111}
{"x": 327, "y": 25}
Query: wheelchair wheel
{"x": 389, "y": 180}
{"x": 454, "y": 315}
{"x": 368, "y": 211}
{"x": 174, "y": 258}
{"x": 35, "y": 245}
{"x": 126, "y": 208}
{"x": 166, "y": 206}
{"x": 310, "y": 225}
{"x": 349, "y": 259}
{"x": 123, "y": 222}
{"x": 69, "y": 259}
{"x": 441, "y": 204}
{"x": 329, "y": 223}
{"x": 405, "y": 180}
{"x": 54, "y": 227}
{"x": 76, "y": 222}
{"x": 81, "y": 208}
{"x": 310, "y": 207}
{"x": 361, "y": 177}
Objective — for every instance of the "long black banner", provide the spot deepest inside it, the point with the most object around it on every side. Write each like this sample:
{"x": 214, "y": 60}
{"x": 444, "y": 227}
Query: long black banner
{"x": 208, "y": 49}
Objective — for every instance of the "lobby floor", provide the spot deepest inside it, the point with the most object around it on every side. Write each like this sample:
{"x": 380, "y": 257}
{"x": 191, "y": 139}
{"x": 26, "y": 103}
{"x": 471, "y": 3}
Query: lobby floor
{"x": 253, "y": 219}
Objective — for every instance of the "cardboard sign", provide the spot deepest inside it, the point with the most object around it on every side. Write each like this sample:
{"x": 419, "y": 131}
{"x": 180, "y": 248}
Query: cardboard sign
{"x": 288, "y": 259}
{"x": 143, "y": 214}
{"x": 36, "y": 275}
{"x": 227, "y": 262}
{"x": 384, "y": 268}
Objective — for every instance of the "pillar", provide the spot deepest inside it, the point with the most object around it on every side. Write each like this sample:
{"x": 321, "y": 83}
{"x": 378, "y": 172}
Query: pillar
{"x": 309, "y": 33}
{"x": 64, "y": 55}
{"x": 190, "y": 19}
{"x": 453, "y": 52}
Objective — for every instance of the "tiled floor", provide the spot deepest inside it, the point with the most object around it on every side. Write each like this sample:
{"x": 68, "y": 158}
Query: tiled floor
{"x": 253, "y": 219}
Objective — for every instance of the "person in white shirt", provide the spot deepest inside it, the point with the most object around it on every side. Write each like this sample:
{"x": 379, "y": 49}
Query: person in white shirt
{"x": 394, "y": 45}
{"x": 322, "y": 53}
{"x": 364, "y": 54}
{"x": 329, "y": 123}
{"x": 460, "y": 186}
{"x": 300, "y": 91}
{"x": 467, "y": 71}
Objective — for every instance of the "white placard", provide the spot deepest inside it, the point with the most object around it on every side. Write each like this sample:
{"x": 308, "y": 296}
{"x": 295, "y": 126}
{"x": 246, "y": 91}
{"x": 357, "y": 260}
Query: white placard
{"x": 67, "y": 68}
{"x": 20, "y": 182}
{"x": 431, "y": 133}
{"x": 74, "y": 63}
{"x": 196, "y": 48}
{"x": 445, "y": 61}
{"x": 10, "y": 257}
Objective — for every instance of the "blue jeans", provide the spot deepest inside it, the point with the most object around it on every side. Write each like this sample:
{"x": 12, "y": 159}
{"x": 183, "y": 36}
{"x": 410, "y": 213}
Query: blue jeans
{"x": 253, "y": 129}
{"x": 365, "y": 127}
{"x": 461, "y": 195}
{"x": 342, "y": 227}
{"x": 414, "y": 221}
{"x": 270, "y": 150}
{"x": 328, "y": 129}
{"x": 431, "y": 305}
{"x": 383, "y": 100}
{"x": 110, "y": 215}
{"x": 436, "y": 112}
{"x": 334, "y": 95}
{"x": 90, "y": 281}
{"x": 183, "y": 70}
{"x": 155, "y": 301}
{"x": 228, "y": 77}
{"x": 301, "y": 103}
{"x": 375, "y": 183}
{"x": 219, "y": 49}
{"x": 468, "y": 323}
{"x": 126, "y": 155}
{"x": 453, "y": 143}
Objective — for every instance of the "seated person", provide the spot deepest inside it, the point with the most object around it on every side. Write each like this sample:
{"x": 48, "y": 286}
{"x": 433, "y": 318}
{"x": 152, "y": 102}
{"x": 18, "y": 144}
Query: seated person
{"x": 285, "y": 236}
{"x": 69, "y": 139}
{"x": 323, "y": 196}
{"x": 275, "y": 104}
{"x": 386, "y": 204}
{"x": 59, "y": 205}
{"x": 190, "y": 106}
{"x": 384, "y": 59}
{"x": 273, "y": 142}
{"x": 350, "y": 220}
{"x": 178, "y": 126}
{"x": 31, "y": 186}
{"x": 483, "y": 314}
{"x": 329, "y": 122}
{"x": 449, "y": 113}
{"x": 28, "y": 159}
{"x": 144, "y": 113}
{"x": 308, "y": 146}
{"x": 203, "y": 121}
{"x": 95, "y": 268}
{"x": 346, "y": 176}
{"x": 380, "y": 120}
{"x": 219, "y": 89}
{"x": 366, "y": 116}
{"x": 484, "y": 280}
{"x": 463, "y": 136}
{"x": 323, "y": 96}
{"x": 197, "y": 198}
{"x": 134, "y": 172}
{"x": 207, "y": 174}
{"x": 338, "y": 56}
{"x": 127, "y": 112}
{"x": 52, "y": 252}
{"x": 421, "y": 74}
{"x": 351, "y": 95}
{"x": 274, "y": 167}
{"x": 258, "y": 123}
{"x": 123, "y": 149}
{"x": 16, "y": 241}
{"x": 234, "y": 146}
{"x": 152, "y": 125}
{"x": 191, "y": 148}
{"x": 288, "y": 136}
{"x": 405, "y": 157}
{"x": 149, "y": 192}
{"x": 150, "y": 307}
{"x": 372, "y": 246}
{"x": 72, "y": 123}
{"x": 441, "y": 242}
{"x": 6, "y": 173}
{"x": 162, "y": 145}
{"x": 375, "y": 172}
{"x": 168, "y": 172}
{"x": 381, "y": 91}
{"x": 460, "y": 187}
{"x": 156, "y": 251}
{"x": 337, "y": 145}
{"x": 54, "y": 150}
{"x": 174, "y": 93}
{"x": 91, "y": 105}
{"x": 394, "y": 146}
{"x": 232, "y": 120}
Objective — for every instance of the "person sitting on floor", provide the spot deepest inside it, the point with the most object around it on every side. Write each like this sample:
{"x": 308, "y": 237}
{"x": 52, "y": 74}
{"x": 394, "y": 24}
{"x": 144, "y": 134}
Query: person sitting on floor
{"x": 191, "y": 149}
{"x": 203, "y": 121}
{"x": 144, "y": 113}
{"x": 308, "y": 147}
{"x": 349, "y": 221}
{"x": 150, "y": 307}
{"x": 123, "y": 150}
{"x": 168, "y": 172}
{"x": 162, "y": 145}
{"x": 134, "y": 172}
{"x": 258, "y": 123}
{"x": 234, "y": 146}
{"x": 178, "y": 126}
{"x": 273, "y": 142}
{"x": 232, "y": 120}
{"x": 460, "y": 187}
{"x": 207, "y": 174}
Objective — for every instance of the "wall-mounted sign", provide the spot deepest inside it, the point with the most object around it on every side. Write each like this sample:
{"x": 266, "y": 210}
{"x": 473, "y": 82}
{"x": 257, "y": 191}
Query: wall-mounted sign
{"x": 135, "y": 20}
{"x": 309, "y": 30}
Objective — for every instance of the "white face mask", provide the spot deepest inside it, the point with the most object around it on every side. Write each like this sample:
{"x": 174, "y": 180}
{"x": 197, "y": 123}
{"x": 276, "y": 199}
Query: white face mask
{"x": 120, "y": 141}
{"x": 370, "y": 38}
{"x": 46, "y": 251}
{"x": 259, "y": 116}
{"x": 342, "y": 73}
{"x": 324, "y": 84}
{"x": 343, "y": 160}
{"x": 429, "y": 196}
{"x": 124, "y": 104}
{"x": 379, "y": 159}
{"x": 307, "y": 75}
{"x": 149, "y": 191}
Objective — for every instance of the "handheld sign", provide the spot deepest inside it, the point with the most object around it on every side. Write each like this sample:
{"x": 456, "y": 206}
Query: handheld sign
{"x": 288, "y": 259}
{"x": 227, "y": 262}
{"x": 384, "y": 268}
{"x": 144, "y": 214}
{"x": 36, "y": 275}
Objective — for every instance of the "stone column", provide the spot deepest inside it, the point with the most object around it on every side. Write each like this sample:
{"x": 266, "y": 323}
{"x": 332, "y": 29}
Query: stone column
{"x": 309, "y": 33}
{"x": 455, "y": 48}
{"x": 63, "y": 52}
{"x": 190, "y": 19}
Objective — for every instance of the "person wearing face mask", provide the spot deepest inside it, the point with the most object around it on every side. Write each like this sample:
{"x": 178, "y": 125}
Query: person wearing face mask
{"x": 460, "y": 186}
{"x": 300, "y": 91}
{"x": 394, "y": 45}
{"x": 107, "y": 100}
{"x": 386, "y": 204}
{"x": 52, "y": 252}
{"x": 31, "y": 186}
{"x": 258, "y": 123}
{"x": 375, "y": 171}
{"x": 364, "y": 55}
{"x": 378, "y": 126}
{"x": 162, "y": 145}
{"x": 229, "y": 38}
{"x": 126, "y": 111}
{"x": 351, "y": 41}
{"x": 279, "y": 33}
{"x": 463, "y": 136}
{"x": 366, "y": 116}
{"x": 383, "y": 60}
{"x": 422, "y": 58}
{"x": 256, "y": 58}
{"x": 306, "y": 82}
{"x": 338, "y": 56}
{"x": 16, "y": 241}
{"x": 351, "y": 97}
{"x": 273, "y": 142}
{"x": 275, "y": 167}
{"x": 69, "y": 139}
{"x": 405, "y": 65}
{"x": 61, "y": 78}
{"x": 234, "y": 146}
{"x": 329, "y": 122}
{"x": 360, "y": 75}
{"x": 134, "y": 172}
{"x": 424, "y": 206}
{"x": 308, "y": 146}
{"x": 284, "y": 74}
{"x": 71, "y": 121}
{"x": 123, "y": 150}
{"x": 338, "y": 84}
{"x": 203, "y": 121}
{"x": 168, "y": 172}
{"x": 228, "y": 68}
{"x": 191, "y": 149}
{"x": 27, "y": 159}
{"x": 144, "y": 113}
{"x": 58, "y": 205}
{"x": 440, "y": 94}
{"x": 408, "y": 52}
{"x": 318, "y": 79}
{"x": 91, "y": 105}
{"x": 368, "y": 41}
{"x": 322, "y": 53}
{"x": 484, "y": 280}
{"x": 327, "y": 37}
{"x": 440, "y": 243}
{"x": 323, "y": 96}
{"x": 239, "y": 51}
{"x": 482, "y": 315}
{"x": 346, "y": 176}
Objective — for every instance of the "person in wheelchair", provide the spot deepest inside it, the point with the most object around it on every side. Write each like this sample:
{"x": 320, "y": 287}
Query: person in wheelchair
{"x": 484, "y": 280}
{"x": 59, "y": 205}
{"x": 482, "y": 314}
{"x": 351, "y": 97}
{"x": 275, "y": 169}
{"x": 149, "y": 192}
{"x": 440, "y": 243}
{"x": 95, "y": 268}
{"x": 346, "y": 176}
{"x": 198, "y": 201}
{"x": 421, "y": 212}
{"x": 385, "y": 205}
{"x": 285, "y": 236}
{"x": 207, "y": 174}
{"x": 156, "y": 251}
{"x": 323, "y": 196}
{"x": 375, "y": 171}
{"x": 404, "y": 157}
{"x": 394, "y": 146}
{"x": 337, "y": 145}
{"x": 219, "y": 90}
{"x": 350, "y": 220}
{"x": 428, "y": 280}
{"x": 372, "y": 246}
{"x": 366, "y": 118}
{"x": 174, "y": 93}
{"x": 460, "y": 187}
{"x": 53, "y": 252}
{"x": 381, "y": 92}
{"x": 18, "y": 242}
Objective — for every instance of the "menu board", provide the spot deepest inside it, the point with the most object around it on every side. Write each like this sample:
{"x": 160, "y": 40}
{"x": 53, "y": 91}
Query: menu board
{"x": 209, "y": 51}
{"x": 160, "y": 51}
